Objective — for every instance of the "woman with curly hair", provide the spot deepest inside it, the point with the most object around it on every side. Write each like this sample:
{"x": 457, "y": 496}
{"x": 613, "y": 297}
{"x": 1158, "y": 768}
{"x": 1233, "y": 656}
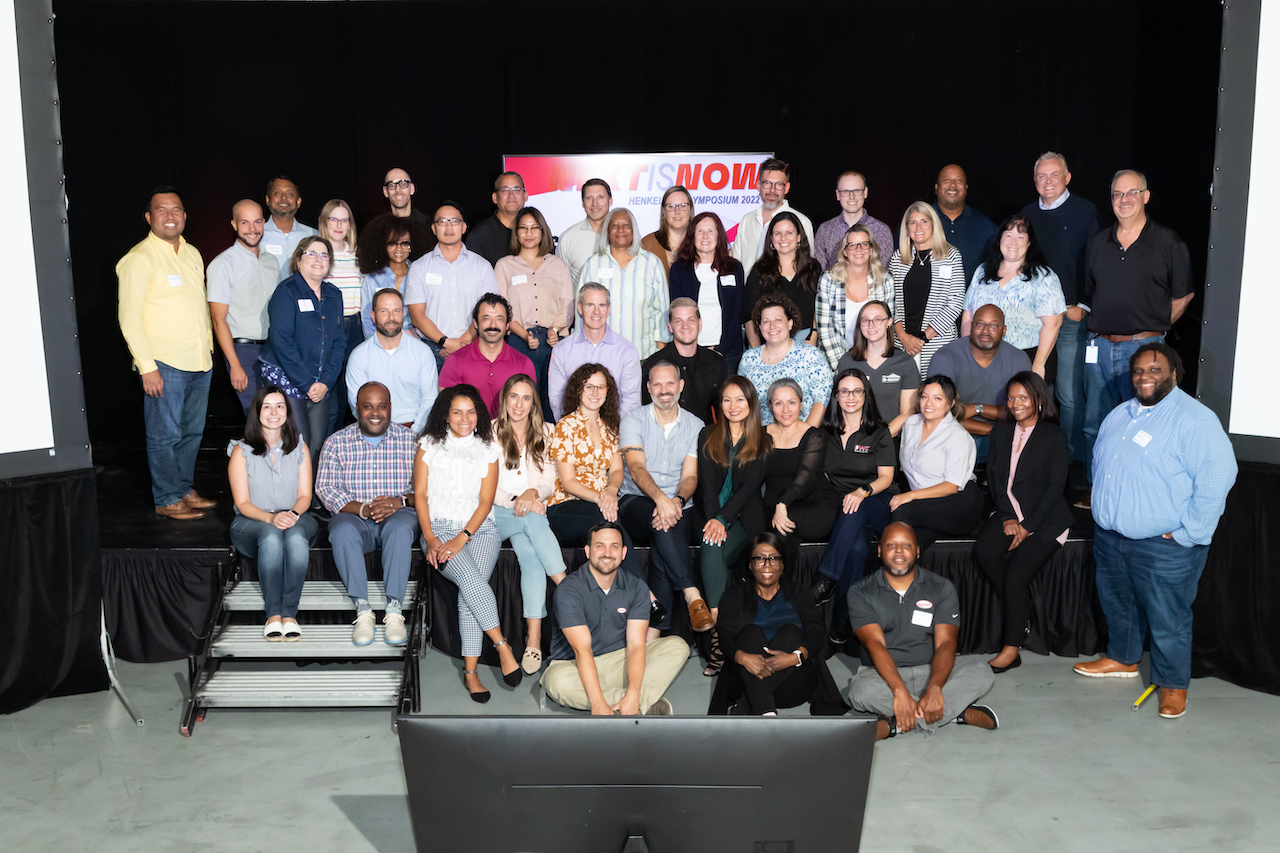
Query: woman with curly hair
{"x": 455, "y": 478}
{"x": 388, "y": 246}
{"x": 780, "y": 357}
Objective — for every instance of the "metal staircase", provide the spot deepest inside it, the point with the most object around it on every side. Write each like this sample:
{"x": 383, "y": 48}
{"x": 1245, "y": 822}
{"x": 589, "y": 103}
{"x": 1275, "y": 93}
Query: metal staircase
{"x": 236, "y": 668}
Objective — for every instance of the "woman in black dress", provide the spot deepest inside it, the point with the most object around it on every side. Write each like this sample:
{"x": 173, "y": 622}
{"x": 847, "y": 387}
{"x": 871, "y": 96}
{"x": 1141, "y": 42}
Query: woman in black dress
{"x": 796, "y": 501}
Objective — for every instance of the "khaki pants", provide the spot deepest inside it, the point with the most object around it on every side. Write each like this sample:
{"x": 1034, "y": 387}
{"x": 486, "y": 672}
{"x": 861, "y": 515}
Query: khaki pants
{"x": 663, "y": 659}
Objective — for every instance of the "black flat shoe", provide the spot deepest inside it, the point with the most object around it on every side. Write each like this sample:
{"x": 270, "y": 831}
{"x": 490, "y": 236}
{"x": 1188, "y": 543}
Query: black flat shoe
{"x": 511, "y": 679}
{"x": 1017, "y": 662}
{"x": 822, "y": 589}
{"x": 481, "y": 696}
{"x": 657, "y": 613}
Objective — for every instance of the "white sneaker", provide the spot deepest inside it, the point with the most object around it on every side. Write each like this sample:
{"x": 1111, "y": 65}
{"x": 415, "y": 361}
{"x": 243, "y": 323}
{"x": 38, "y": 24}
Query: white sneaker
{"x": 393, "y": 632}
{"x": 366, "y": 624}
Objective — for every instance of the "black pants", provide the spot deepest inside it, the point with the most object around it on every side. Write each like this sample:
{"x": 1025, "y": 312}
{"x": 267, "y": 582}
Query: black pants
{"x": 1010, "y": 572}
{"x": 786, "y": 689}
{"x": 670, "y": 565}
{"x": 572, "y": 520}
{"x": 814, "y": 517}
{"x": 933, "y": 518}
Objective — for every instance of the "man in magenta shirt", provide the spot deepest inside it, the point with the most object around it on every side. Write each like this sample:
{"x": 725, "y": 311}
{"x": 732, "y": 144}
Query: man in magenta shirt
{"x": 488, "y": 361}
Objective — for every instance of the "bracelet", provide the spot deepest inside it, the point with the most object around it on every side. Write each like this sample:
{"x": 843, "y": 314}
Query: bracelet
{"x": 799, "y": 659}
{"x": 403, "y": 503}
{"x": 468, "y": 533}
{"x": 363, "y": 507}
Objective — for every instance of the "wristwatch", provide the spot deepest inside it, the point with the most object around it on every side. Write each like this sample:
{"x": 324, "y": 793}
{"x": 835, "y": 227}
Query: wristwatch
{"x": 977, "y": 410}
{"x": 440, "y": 343}
{"x": 870, "y": 491}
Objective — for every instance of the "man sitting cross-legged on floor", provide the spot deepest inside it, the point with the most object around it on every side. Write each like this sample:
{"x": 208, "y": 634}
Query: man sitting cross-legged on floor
{"x": 907, "y": 620}
{"x": 366, "y": 482}
{"x": 600, "y": 660}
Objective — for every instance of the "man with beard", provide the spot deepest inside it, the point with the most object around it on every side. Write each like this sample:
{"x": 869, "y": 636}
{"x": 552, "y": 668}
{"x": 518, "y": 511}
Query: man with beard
{"x": 907, "y": 620}
{"x": 399, "y": 361}
{"x": 775, "y": 183}
{"x": 702, "y": 369}
{"x": 965, "y": 228}
{"x": 660, "y": 448}
{"x": 581, "y": 241}
{"x": 365, "y": 480}
{"x": 488, "y": 361}
{"x": 282, "y": 232}
{"x": 398, "y": 187}
{"x": 1162, "y": 468}
{"x": 491, "y": 239}
{"x": 981, "y": 364}
{"x": 600, "y": 659}
{"x": 240, "y": 283}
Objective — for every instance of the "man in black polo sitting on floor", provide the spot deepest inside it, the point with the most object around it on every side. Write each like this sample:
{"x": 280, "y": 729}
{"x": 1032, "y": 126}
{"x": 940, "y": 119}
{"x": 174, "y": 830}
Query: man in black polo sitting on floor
{"x": 907, "y": 620}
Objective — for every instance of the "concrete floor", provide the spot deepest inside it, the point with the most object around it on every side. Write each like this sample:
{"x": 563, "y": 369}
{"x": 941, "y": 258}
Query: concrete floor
{"x": 1071, "y": 769}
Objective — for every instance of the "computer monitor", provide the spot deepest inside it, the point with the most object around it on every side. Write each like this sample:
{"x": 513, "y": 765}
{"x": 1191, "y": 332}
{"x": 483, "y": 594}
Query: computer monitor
{"x": 658, "y": 784}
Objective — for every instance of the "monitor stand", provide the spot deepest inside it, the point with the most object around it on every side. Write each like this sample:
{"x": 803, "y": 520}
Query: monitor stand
{"x": 635, "y": 844}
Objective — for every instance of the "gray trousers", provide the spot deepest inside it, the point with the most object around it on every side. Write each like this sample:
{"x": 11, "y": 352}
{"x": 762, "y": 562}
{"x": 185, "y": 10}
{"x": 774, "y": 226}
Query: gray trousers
{"x": 352, "y": 537}
{"x": 971, "y": 678}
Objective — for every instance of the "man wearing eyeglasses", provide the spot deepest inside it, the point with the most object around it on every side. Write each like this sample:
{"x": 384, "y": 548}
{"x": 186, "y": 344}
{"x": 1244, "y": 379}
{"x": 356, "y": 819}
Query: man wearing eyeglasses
{"x": 283, "y": 232}
{"x": 851, "y": 193}
{"x": 775, "y": 183}
{"x": 581, "y": 241}
{"x": 445, "y": 284}
{"x": 491, "y": 239}
{"x": 397, "y": 186}
{"x": 1137, "y": 283}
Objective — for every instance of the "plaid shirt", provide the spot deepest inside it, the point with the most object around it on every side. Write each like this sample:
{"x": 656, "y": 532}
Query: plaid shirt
{"x": 351, "y": 469}
{"x": 831, "y": 319}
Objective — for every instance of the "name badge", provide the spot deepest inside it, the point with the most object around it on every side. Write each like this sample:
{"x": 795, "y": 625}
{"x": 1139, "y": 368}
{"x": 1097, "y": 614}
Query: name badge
{"x": 728, "y": 281}
{"x": 944, "y": 273}
{"x": 306, "y": 305}
{"x": 175, "y": 281}
{"x": 890, "y": 378}
{"x": 519, "y": 279}
{"x": 606, "y": 275}
{"x": 1142, "y": 439}
{"x": 923, "y": 618}
{"x": 1091, "y": 354}
{"x": 433, "y": 278}
{"x": 273, "y": 248}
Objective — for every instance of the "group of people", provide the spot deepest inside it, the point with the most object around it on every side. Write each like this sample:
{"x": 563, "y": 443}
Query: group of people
{"x": 607, "y": 390}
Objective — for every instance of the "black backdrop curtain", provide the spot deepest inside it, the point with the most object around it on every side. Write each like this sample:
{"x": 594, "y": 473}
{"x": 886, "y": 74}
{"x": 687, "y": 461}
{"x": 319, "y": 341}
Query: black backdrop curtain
{"x": 50, "y": 589}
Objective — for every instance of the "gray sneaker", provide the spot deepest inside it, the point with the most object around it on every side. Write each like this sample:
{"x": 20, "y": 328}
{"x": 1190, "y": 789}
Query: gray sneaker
{"x": 366, "y": 624}
{"x": 393, "y": 632}
{"x": 661, "y": 708}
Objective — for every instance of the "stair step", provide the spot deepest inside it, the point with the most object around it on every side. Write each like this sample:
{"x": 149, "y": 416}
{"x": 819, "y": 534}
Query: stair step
{"x": 318, "y": 641}
{"x": 316, "y": 595}
{"x": 301, "y": 689}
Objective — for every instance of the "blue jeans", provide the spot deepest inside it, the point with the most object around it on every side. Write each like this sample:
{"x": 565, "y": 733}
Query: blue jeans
{"x": 312, "y": 420}
{"x": 1069, "y": 386}
{"x": 537, "y": 551}
{"x": 174, "y": 424}
{"x": 670, "y": 564}
{"x": 845, "y": 557}
{"x": 438, "y": 353}
{"x": 1149, "y": 583}
{"x": 282, "y": 557}
{"x": 352, "y": 537}
{"x": 541, "y": 358}
{"x": 1107, "y": 385}
{"x": 248, "y": 356}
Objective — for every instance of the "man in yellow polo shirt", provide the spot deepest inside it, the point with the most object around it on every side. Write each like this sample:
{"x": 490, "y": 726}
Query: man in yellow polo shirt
{"x": 165, "y": 321}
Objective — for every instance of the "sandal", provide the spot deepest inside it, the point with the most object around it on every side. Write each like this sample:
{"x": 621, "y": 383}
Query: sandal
{"x": 715, "y": 657}
{"x": 531, "y": 661}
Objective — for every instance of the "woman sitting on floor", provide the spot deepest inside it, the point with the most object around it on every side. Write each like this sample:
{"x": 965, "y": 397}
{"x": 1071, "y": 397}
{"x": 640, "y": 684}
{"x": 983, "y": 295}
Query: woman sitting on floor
{"x": 270, "y": 474}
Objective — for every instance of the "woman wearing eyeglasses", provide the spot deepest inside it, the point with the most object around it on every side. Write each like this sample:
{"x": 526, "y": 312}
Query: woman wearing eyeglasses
{"x": 773, "y": 632}
{"x": 305, "y": 341}
{"x": 705, "y": 272}
{"x": 892, "y": 374}
{"x": 856, "y": 278}
{"x": 387, "y": 248}
{"x": 339, "y": 228}
{"x": 676, "y": 211}
{"x": 539, "y": 287}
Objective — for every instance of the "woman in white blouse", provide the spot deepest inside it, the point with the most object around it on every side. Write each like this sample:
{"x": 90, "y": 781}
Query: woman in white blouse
{"x": 928, "y": 285}
{"x": 938, "y": 457}
{"x": 526, "y": 478}
{"x": 857, "y": 277}
{"x": 455, "y": 478}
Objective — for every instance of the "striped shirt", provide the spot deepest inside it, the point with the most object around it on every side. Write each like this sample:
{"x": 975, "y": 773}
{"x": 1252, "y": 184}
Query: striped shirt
{"x": 945, "y": 304}
{"x": 833, "y": 314}
{"x": 1162, "y": 469}
{"x": 345, "y": 275}
{"x": 638, "y": 295}
{"x": 352, "y": 469}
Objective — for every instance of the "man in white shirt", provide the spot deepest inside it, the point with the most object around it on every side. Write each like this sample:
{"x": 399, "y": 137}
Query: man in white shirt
{"x": 239, "y": 284}
{"x": 282, "y": 232}
{"x": 775, "y": 183}
{"x": 401, "y": 362}
{"x": 582, "y": 240}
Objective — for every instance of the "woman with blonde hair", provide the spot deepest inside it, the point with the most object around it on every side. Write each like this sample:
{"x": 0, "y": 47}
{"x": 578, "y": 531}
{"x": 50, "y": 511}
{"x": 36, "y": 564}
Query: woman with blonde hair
{"x": 928, "y": 285}
{"x": 857, "y": 277}
{"x": 338, "y": 226}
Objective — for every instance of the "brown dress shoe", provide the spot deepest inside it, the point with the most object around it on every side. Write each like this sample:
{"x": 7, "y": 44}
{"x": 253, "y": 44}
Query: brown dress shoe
{"x": 194, "y": 501}
{"x": 179, "y": 511}
{"x": 1105, "y": 667}
{"x": 699, "y": 616}
{"x": 1173, "y": 703}
{"x": 1085, "y": 501}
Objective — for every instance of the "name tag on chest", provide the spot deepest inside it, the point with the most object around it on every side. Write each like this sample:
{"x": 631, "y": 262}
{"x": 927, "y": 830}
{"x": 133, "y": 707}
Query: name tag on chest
{"x": 944, "y": 273}
{"x": 434, "y": 278}
{"x": 728, "y": 281}
{"x": 175, "y": 281}
{"x": 519, "y": 279}
{"x": 273, "y": 249}
{"x": 1142, "y": 438}
{"x": 606, "y": 275}
{"x": 306, "y": 305}
{"x": 923, "y": 618}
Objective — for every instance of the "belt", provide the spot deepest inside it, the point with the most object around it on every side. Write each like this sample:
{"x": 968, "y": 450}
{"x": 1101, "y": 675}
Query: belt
{"x": 1120, "y": 339}
{"x": 247, "y": 341}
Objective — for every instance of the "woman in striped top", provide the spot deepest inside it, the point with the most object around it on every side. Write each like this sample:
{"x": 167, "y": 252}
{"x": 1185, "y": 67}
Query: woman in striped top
{"x": 928, "y": 285}
{"x": 339, "y": 227}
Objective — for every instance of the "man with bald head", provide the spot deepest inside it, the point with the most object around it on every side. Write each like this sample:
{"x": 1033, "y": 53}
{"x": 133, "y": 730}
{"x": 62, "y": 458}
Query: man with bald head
{"x": 968, "y": 230}
{"x": 240, "y": 282}
{"x": 398, "y": 187}
{"x": 908, "y": 622}
{"x": 365, "y": 480}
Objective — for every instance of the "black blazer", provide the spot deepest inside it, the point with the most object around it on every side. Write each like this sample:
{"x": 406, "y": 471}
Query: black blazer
{"x": 738, "y": 610}
{"x": 744, "y": 506}
{"x": 683, "y": 281}
{"x": 1041, "y": 479}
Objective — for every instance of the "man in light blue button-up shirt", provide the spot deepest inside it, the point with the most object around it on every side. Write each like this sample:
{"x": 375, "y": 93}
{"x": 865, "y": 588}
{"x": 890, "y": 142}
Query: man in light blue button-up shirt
{"x": 399, "y": 361}
{"x": 1162, "y": 468}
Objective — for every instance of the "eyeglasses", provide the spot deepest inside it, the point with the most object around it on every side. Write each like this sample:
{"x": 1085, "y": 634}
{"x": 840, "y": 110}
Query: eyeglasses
{"x": 595, "y": 389}
{"x": 850, "y": 193}
{"x": 402, "y": 184}
{"x": 1131, "y": 195}
{"x": 403, "y": 244}
{"x": 761, "y": 562}
{"x": 845, "y": 393}
{"x": 451, "y": 221}
{"x": 991, "y": 326}
{"x": 334, "y": 220}
{"x": 511, "y": 190}
{"x": 860, "y": 246}
{"x": 773, "y": 185}
{"x": 319, "y": 256}
{"x": 873, "y": 322}
{"x": 529, "y": 228}
{"x": 673, "y": 206}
